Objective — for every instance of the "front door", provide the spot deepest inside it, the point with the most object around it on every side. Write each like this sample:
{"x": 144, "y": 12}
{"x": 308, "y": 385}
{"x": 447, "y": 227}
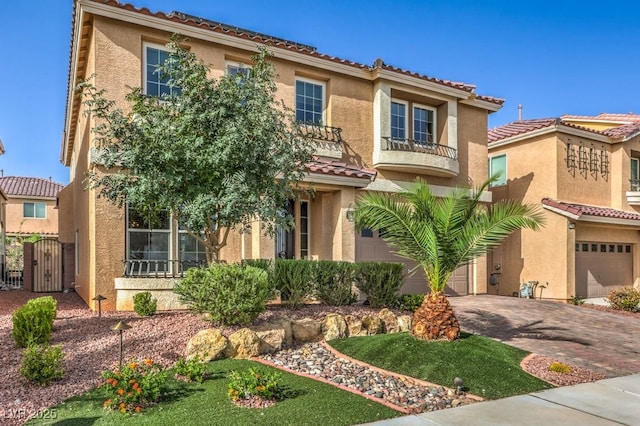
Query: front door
{"x": 285, "y": 239}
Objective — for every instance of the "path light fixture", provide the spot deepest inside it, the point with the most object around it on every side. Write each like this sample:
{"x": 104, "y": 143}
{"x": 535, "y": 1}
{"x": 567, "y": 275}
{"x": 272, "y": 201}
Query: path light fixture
{"x": 99, "y": 298}
{"x": 459, "y": 384}
{"x": 121, "y": 326}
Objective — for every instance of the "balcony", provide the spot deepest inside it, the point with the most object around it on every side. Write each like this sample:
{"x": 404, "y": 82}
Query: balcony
{"x": 633, "y": 195}
{"x": 327, "y": 140}
{"x": 408, "y": 155}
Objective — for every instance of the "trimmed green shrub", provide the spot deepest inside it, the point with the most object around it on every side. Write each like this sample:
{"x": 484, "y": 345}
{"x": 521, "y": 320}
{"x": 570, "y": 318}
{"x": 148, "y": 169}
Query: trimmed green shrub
{"x": 624, "y": 299}
{"x": 380, "y": 281}
{"x": 410, "y": 302}
{"x": 333, "y": 282}
{"x": 42, "y": 364}
{"x": 33, "y": 322}
{"x": 294, "y": 280}
{"x": 144, "y": 305}
{"x": 192, "y": 370}
{"x": 229, "y": 294}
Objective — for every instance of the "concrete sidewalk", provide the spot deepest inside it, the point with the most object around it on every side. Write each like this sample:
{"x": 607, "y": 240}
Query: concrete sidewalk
{"x": 606, "y": 402}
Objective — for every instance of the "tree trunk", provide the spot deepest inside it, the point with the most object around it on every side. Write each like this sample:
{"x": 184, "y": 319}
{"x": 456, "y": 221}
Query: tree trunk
{"x": 435, "y": 320}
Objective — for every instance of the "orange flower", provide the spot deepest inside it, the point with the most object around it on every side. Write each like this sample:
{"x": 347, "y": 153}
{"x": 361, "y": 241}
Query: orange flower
{"x": 132, "y": 381}
{"x": 133, "y": 365}
{"x": 138, "y": 409}
{"x": 260, "y": 388}
{"x": 136, "y": 385}
{"x": 114, "y": 383}
{"x": 138, "y": 390}
{"x": 148, "y": 362}
{"x": 120, "y": 391}
{"x": 107, "y": 402}
{"x": 123, "y": 405}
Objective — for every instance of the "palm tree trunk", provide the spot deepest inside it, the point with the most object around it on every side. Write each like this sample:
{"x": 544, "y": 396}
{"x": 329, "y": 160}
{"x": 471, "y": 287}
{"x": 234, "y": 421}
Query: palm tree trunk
{"x": 435, "y": 320}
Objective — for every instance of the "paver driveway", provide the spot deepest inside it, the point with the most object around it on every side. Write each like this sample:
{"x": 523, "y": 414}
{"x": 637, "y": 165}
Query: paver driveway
{"x": 597, "y": 340}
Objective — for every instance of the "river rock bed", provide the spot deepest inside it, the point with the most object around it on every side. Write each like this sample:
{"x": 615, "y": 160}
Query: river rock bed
{"x": 316, "y": 360}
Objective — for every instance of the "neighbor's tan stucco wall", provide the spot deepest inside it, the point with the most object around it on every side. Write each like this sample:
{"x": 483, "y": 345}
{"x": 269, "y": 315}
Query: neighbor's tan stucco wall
{"x": 17, "y": 224}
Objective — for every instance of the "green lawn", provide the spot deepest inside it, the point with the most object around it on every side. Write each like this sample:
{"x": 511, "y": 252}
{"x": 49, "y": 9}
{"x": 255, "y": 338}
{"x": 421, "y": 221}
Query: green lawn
{"x": 309, "y": 402}
{"x": 490, "y": 369}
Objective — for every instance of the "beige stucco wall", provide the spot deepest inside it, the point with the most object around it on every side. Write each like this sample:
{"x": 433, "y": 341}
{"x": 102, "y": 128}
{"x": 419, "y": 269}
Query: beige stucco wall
{"x": 19, "y": 225}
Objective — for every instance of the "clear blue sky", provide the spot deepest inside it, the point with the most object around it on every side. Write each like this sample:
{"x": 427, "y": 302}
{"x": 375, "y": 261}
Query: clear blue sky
{"x": 553, "y": 57}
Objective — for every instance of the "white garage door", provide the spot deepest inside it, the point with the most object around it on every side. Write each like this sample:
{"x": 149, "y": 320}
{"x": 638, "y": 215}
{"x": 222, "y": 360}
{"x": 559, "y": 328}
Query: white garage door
{"x": 371, "y": 248}
{"x": 602, "y": 267}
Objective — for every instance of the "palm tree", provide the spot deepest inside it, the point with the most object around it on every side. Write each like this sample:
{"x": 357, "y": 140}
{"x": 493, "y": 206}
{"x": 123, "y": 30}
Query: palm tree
{"x": 441, "y": 234}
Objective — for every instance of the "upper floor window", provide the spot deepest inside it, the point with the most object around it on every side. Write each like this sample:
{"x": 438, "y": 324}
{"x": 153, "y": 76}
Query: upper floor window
{"x": 155, "y": 83}
{"x": 424, "y": 119}
{"x": 34, "y": 210}
{"x": 398, "y": 120}
{"x": 310, "y": 101}
{"x": 235, "y": 68}
{"x": 635, "y": 174}
{"x": 498, "y": 164}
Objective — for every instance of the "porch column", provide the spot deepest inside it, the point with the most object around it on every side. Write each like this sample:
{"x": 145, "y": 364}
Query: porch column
{"x": 343, "y": 245}
{"x": 381, "y": 117}
{"x": 452, "y": 124}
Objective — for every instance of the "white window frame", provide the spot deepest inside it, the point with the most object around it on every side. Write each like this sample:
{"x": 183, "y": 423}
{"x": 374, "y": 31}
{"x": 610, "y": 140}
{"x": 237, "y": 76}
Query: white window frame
{"x": 636, "y": 161}
{"x": 406, "y": 118}
{"x": 35, "y": 210}
{"x": 167, "y": 231}
{"x": 145, "y": 46}
{"x": 324, "y": 96}
{"x": 235, "y": 64}
{"x": 177, "y": 242}
{"x": 434, "y": 112}
{"x": 503, "y": 180}
{"x": 307, "y": 235}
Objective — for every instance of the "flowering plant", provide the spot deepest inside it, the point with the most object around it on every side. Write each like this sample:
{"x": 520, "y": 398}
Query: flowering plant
{"x": 134, "y": 386}
{"x": 254, "y": 382}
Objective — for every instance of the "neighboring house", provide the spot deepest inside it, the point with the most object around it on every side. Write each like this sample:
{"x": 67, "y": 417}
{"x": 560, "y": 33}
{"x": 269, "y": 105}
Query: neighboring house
{"x": 376, "y": 127}
{"x": 584, "y": 174}
{"x": 31, "y": 206}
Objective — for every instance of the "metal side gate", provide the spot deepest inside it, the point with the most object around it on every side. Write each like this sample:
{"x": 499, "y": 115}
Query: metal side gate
{"x": 47, "y": 266}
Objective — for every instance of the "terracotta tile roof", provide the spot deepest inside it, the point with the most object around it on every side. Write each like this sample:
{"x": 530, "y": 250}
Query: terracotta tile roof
{"x": 520, "y": 127}
{"x": 328, "y": 166}
{"x": 18, "y": 186}
{"x": 268, "y": 40}
{"x": 586, "y": 210}
{"x": 606, "y": 116}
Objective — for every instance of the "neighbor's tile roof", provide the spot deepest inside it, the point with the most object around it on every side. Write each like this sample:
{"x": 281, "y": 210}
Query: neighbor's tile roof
{"x": 18, "y": 186}
{"x": 521, "y": 127}
{"x": 218, "y": 27}
{"x": 586, "y": 210}
{"x": 605, "y": 116}
{"x": 327, "y": 166}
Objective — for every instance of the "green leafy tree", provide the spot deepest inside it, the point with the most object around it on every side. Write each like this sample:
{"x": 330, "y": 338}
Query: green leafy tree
{"x": 441, "y": 234}
{"x": 216, "y": 153}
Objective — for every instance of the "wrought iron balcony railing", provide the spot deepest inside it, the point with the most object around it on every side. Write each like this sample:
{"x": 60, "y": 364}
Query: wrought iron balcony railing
{"x": 143, "y": 268}
{"x": 321, "y": 133}
{"x": 396, "y": 144}
{"x": 635, "y": 185}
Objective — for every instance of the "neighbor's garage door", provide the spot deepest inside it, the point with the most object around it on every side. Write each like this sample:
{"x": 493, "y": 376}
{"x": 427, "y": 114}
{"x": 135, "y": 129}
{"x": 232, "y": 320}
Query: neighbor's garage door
{"x": 601, "y": 267}
{"x": 371, "y": 248}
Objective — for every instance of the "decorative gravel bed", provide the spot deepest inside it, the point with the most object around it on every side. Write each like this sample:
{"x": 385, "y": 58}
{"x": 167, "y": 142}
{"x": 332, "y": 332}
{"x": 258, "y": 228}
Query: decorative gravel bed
{"x": 316, "y": 360}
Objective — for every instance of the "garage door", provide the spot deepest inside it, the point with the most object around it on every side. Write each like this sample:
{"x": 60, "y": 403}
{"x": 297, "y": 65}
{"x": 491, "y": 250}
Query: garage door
{"x": 602, "y": 267}
{"x": 371, "y": 248}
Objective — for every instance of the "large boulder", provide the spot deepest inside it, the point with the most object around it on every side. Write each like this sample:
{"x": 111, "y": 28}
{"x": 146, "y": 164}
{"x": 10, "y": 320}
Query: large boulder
{"x": 207, "y": 345}
{"x": 389, "y": 321}
{"x": 334, "y": 327}
{"x": 271, "y": 338}
{"x": 372, "y": 325}
{"x": 284, "y": 324}
{"x": 354, "y": 326}
{"x": 404, "y": 323}
{"x": 244, "y": 343}
{"x": 306, "y": 329}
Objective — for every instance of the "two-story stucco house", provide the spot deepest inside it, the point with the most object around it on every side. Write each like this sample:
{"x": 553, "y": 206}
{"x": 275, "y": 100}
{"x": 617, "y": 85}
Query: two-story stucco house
{"x": 377, "y": 128}
{"x": 584, "y": 173}
{"x": 31, "y": 206}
